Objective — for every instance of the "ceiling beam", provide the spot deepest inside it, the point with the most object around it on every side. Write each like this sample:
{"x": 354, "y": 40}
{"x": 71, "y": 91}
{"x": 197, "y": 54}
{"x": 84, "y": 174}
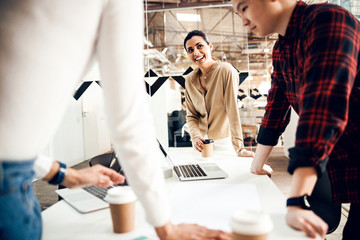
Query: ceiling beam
{"x": 158, "y": 6}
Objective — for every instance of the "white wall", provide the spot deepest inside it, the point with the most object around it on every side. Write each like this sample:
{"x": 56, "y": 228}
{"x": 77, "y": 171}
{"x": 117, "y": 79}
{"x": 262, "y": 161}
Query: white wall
{"x": 68, "y": 145}
{"x": 158, "y": 108}
{"x": 83, "y": 132}
{"x": 95, "y": 129}
{"x": 173, "y": 96}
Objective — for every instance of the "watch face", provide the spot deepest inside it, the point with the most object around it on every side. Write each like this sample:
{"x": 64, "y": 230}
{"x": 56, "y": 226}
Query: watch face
{"x": 306, "y": 202}
{"x": 303, "y": 202}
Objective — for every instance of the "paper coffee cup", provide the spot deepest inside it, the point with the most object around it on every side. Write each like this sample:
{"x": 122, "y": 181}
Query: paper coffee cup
{"x": 250, "y": 225}
{"x": 208, "y": 147}
{"x": 122, "y": 208}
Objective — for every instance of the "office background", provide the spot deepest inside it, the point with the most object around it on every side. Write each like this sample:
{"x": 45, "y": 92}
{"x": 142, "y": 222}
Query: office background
{"x": 83, "y": 132}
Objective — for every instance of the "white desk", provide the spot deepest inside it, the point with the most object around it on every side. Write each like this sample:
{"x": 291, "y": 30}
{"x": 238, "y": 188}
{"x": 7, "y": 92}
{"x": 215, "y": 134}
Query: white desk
{"x": 61, "y": 221}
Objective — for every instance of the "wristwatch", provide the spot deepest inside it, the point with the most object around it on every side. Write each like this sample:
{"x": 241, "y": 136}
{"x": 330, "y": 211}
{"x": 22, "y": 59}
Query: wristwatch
{"x": 302, "y": 201}
{"x": 60, "y": 175}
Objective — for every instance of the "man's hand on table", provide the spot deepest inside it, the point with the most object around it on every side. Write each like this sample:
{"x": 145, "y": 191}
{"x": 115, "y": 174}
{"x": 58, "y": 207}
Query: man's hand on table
{"x": 306, "y": 221}
{"x": 261, "y": 170}
{"x": 189, "y": 231}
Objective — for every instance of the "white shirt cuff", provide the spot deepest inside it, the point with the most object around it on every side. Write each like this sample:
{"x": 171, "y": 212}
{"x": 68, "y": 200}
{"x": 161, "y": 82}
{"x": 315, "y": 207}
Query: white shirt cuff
{"x": 42, "y": 166}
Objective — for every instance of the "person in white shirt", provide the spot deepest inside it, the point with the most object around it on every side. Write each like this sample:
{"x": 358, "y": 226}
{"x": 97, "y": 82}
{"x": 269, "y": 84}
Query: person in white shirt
{"x": 46, "y": 47}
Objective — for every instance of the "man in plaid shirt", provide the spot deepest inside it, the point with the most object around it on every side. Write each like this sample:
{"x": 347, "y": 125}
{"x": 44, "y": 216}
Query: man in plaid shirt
{"x": 317, "y": 72}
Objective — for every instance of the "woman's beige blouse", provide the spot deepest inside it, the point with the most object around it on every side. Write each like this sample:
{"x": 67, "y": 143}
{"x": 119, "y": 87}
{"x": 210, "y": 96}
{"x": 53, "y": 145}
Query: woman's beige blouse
{"x": 214, "y": 113}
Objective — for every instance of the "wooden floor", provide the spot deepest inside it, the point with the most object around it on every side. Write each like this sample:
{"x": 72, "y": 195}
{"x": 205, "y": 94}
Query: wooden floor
{"x": 278, "y": 162}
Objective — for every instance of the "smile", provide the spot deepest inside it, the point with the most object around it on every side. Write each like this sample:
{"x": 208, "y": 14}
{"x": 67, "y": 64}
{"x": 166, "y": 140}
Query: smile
{"x": 199, "y": 58}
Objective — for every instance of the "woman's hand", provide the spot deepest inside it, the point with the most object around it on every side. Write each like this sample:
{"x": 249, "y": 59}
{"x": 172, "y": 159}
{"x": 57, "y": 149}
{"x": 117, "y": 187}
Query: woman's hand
{"x": 97, "y": 175}
{"x": 198, "y": 143}
{"x": 246, "y": 153}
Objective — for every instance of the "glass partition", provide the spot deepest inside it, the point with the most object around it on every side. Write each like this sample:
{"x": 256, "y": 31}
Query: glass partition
{"x": 166, "y": 25}
{"x": 165, "y": 30}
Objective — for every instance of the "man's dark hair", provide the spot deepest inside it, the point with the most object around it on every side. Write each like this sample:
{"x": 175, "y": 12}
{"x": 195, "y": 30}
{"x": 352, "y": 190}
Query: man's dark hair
{"x": 196, "y": 33}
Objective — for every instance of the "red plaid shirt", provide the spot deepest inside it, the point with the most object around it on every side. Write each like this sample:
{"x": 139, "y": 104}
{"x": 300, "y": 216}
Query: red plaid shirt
{"x": 317, "y": 72}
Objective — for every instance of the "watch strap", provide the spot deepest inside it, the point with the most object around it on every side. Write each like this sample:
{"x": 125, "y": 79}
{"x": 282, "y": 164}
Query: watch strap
{"x": 60, "y": 175}
{"x": 302, "y": 201}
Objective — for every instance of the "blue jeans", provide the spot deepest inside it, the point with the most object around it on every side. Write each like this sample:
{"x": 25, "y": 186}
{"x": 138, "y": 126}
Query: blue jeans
{"x": 20, "y": 213}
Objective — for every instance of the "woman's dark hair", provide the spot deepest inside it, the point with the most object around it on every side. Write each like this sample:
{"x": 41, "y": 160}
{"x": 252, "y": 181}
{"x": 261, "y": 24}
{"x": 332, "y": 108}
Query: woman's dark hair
{"x": 196, "y": 33}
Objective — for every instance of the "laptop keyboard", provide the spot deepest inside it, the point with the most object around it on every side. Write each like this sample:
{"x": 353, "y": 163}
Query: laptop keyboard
{"x": 189, "y": 171}
{"x": 99, "y": 192}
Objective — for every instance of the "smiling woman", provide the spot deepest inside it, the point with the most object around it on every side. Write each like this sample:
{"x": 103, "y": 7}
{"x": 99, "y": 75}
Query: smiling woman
{"x": 211, "y": 96}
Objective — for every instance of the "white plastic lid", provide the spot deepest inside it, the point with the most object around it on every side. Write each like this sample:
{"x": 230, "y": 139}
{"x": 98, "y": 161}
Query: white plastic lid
{"x": 120, "y": 195}
{"x": 251, "y": 222}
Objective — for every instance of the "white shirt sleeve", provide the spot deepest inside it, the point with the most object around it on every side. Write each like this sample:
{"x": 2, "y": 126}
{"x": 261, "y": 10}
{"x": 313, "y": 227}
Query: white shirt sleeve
{"x": 42, "y": 166}
{"x": 120, "y": 54}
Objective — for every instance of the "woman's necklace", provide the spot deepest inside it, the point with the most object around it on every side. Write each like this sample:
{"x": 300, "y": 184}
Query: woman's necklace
{"x": 203, "y": 82}
{"x": 203, "y": 78}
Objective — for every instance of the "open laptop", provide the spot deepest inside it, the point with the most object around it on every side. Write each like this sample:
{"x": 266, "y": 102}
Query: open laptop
{"x": 91, "y": 198}
{"x": 81, "y": 200}
{"x": 193, "y": 172}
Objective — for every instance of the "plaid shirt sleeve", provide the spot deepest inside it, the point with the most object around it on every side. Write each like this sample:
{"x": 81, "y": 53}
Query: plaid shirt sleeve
{"x": 277, "y": 113}
{"x": 325, "y": 48}
{"x": 331, "y": 48}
